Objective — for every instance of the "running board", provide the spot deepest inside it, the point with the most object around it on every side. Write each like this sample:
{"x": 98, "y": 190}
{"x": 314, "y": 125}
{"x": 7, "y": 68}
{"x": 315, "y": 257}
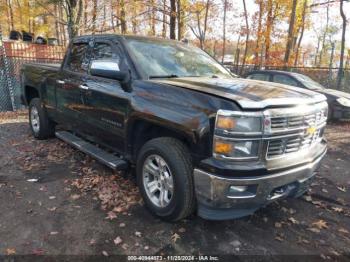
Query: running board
{"x": 104, "y": 157}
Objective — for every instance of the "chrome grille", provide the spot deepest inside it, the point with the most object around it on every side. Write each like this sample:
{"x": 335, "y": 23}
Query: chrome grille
{"x": 280, "y": 147}
{"x": 297, "y": 136}
{"x": 286, "y": 123}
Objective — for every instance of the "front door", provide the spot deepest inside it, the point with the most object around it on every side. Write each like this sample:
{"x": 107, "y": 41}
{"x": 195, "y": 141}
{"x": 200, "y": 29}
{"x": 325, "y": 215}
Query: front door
{"x": 105, "y": 101}
{"x": 69, "y": 96}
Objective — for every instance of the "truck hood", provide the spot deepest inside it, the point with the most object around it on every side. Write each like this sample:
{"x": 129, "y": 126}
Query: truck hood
{"x": 249, "y": 94}
{"x": 334, "y": 93}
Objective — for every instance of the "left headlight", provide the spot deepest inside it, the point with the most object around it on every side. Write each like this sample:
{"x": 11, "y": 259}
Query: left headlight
{"x": 237, "y": 135}
{"x": 344, "y": 101}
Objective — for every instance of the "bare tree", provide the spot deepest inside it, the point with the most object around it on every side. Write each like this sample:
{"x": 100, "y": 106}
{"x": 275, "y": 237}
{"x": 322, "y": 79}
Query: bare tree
{"x": 258, "y": 33}
{"x": 301, "y": 33}
{"x": 224, "y": 32}
{"x": 342, "y": 48}
{"x": 247, "y": 36}
{"x": 172, "y": 19}
{"x": 290, "y": 34}
{"x": 200, "y": 32}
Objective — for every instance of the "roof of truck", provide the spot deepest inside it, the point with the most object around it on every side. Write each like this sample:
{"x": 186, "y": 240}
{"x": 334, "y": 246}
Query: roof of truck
{"x": 158, "y": 39}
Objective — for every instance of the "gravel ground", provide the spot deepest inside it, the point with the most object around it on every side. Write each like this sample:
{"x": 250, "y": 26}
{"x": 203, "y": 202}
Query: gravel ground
{"x": 55, "y": 200}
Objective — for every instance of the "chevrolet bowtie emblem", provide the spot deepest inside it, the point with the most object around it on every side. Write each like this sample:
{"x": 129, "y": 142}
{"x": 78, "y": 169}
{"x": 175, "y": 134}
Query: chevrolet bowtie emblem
{"x": 311, "y": 130}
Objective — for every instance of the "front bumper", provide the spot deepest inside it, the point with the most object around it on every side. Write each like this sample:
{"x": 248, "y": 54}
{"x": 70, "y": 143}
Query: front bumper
{"x": 222, "y": 198}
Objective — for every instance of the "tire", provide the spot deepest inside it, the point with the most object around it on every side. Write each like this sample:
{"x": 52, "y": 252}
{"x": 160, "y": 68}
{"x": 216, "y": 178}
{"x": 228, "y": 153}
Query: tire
{"x": 42, "y": 127}
{"x": 178, "y": 166}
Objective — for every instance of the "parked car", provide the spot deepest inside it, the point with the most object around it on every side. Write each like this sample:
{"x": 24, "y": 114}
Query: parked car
{"x": 199, "y": 138}
{"x": 338, "y": 101}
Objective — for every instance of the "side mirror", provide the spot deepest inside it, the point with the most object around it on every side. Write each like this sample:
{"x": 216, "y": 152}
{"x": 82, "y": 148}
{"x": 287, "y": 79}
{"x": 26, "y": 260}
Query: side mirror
{"x": 108, "y": 69}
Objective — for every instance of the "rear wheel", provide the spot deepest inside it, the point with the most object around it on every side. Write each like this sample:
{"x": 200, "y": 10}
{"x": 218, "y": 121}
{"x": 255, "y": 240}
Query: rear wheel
{"x": 164, "y": 176}
{"x": 42, "y": 127}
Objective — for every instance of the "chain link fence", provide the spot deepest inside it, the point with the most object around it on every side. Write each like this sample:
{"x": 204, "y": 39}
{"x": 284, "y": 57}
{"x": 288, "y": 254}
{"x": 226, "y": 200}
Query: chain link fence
{"x": 324, "y": 75}
{"x": 12, "y": 56}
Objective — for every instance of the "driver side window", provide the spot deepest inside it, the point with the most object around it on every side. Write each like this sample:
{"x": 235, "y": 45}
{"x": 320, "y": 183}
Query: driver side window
{"x": 105, "y": 52}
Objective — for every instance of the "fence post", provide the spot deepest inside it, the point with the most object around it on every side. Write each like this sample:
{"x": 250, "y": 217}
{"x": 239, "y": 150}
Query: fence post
{"x": 7, "y": 71}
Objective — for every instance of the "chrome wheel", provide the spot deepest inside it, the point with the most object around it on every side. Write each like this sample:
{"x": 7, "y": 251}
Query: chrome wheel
{"x": 34, "y": 119}
{"x": 158, "y": 181}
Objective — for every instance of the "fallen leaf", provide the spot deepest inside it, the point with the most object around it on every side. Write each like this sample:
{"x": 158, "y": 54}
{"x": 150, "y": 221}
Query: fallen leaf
{"x": 182, "y": 230}
{"x": 117, "y": 241}
{"x": 338, "y": 209}
{"x": 146, "y": 247}
{"x": 52, "y": 209}
{"x": 320, "y": 224}
{"x": 138, "y": 234}
{"x": 278, "y": 225}
{"x": 122, "y": 225}
{"x": 315, "y": 230}
{"x": 105, "y": 253}
{"x": 175, "y": 237}
{"x": 10, "y": 251}
{"x": 324, "y": 190}
{"x": 279, "y": 238}
{"x": 52, "y": 197}
{"x": 342, "y": 188}
{"x": 53, "y": 233}
{"x": 308, "y": 198}
{"x": 92, "y": 242}
{"x": 75, "y": 196}
{"x": 111, "y": 215}
{"x": 293, "y": 220}
{"x": 343, "y": 230}
{"x": 125, "y": 246}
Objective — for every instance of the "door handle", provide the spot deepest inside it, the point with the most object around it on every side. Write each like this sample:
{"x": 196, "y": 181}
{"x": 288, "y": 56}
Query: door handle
{"x": 61, "y": 82}
{"x": 84, "y": 87}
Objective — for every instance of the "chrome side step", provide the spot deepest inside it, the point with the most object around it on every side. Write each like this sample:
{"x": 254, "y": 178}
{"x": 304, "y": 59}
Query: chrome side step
{"x": 104, "y": 157}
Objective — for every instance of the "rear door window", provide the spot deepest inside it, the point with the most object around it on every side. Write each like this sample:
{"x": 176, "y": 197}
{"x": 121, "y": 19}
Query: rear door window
{"x": 262, "y": 77}
{"x": 78, "y": 60}
{"x": 284, "y": 79}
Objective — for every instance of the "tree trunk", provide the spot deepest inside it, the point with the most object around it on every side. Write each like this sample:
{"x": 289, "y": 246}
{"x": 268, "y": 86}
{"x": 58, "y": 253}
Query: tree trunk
{"x": 290, "y": 34}
{"x": 301, "y": 33}
{"x": 224, "y": 32}
{"x": 180, "y": 20}
{"x": 172, "y": 19}
{"x": 258, "y": 39}
{"x": 123, "y": 17}
{"x": 164, "y": 19}
{"x": 324, "y": 35}
{"x": 342, "y": 47}
{"x": 94, "y": 16}
{"x": 247, "y": 37}
{"x": 9, "y": 4}
{"x": 269, "y": 22}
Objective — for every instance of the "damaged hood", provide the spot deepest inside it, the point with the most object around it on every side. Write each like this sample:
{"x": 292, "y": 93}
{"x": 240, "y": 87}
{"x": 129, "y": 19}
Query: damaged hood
{"x": 249, "y": 94}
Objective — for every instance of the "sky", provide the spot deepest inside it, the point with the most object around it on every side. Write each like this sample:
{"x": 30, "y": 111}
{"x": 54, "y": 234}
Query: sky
{"x": 318, "y": 17}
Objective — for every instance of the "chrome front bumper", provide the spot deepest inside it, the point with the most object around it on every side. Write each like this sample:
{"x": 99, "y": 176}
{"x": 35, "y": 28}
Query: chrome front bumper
{"x": 227, "y": 198}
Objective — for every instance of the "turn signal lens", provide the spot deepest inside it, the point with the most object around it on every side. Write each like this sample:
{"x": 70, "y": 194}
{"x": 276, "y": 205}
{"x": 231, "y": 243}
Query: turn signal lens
{"x": 223, "y": 148}
{"x": 225, "y": 122}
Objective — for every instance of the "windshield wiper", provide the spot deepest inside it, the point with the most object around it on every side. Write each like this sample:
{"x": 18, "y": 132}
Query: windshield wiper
{"x": 164, "y": 76}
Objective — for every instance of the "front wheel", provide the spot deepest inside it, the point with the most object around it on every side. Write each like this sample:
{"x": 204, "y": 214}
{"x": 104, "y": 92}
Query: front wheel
{"x": 42, "y": 127}
{"x": 164, "y": 176}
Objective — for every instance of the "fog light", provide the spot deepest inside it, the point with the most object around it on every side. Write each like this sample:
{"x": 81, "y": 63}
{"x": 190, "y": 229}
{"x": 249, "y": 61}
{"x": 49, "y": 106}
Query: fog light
{"x": 238, "y": 189}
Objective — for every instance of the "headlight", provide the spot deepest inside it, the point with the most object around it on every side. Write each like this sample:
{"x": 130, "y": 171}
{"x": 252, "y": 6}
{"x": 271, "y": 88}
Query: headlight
{"x": 237, "y": 134}
{"x": 236, "y": 149}
{"x": 238, "y": 122}
{"x": 343, "y": 101}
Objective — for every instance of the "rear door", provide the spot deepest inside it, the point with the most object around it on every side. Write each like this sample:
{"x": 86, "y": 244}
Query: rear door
{"x": 70, "y": 82}
{"x": 105, "y": 101}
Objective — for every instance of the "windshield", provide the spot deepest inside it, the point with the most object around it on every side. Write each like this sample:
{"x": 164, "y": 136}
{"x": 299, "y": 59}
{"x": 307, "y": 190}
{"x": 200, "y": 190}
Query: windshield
{"x": 173, "y": 59}
{"x": 308, "y": 82}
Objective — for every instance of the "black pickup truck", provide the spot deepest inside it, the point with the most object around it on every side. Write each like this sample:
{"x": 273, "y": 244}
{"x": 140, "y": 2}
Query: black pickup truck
{"x": 199, "y": 138}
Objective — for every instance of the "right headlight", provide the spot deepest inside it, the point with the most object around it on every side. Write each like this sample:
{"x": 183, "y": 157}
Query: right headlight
{"x": 237, "y": 135}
